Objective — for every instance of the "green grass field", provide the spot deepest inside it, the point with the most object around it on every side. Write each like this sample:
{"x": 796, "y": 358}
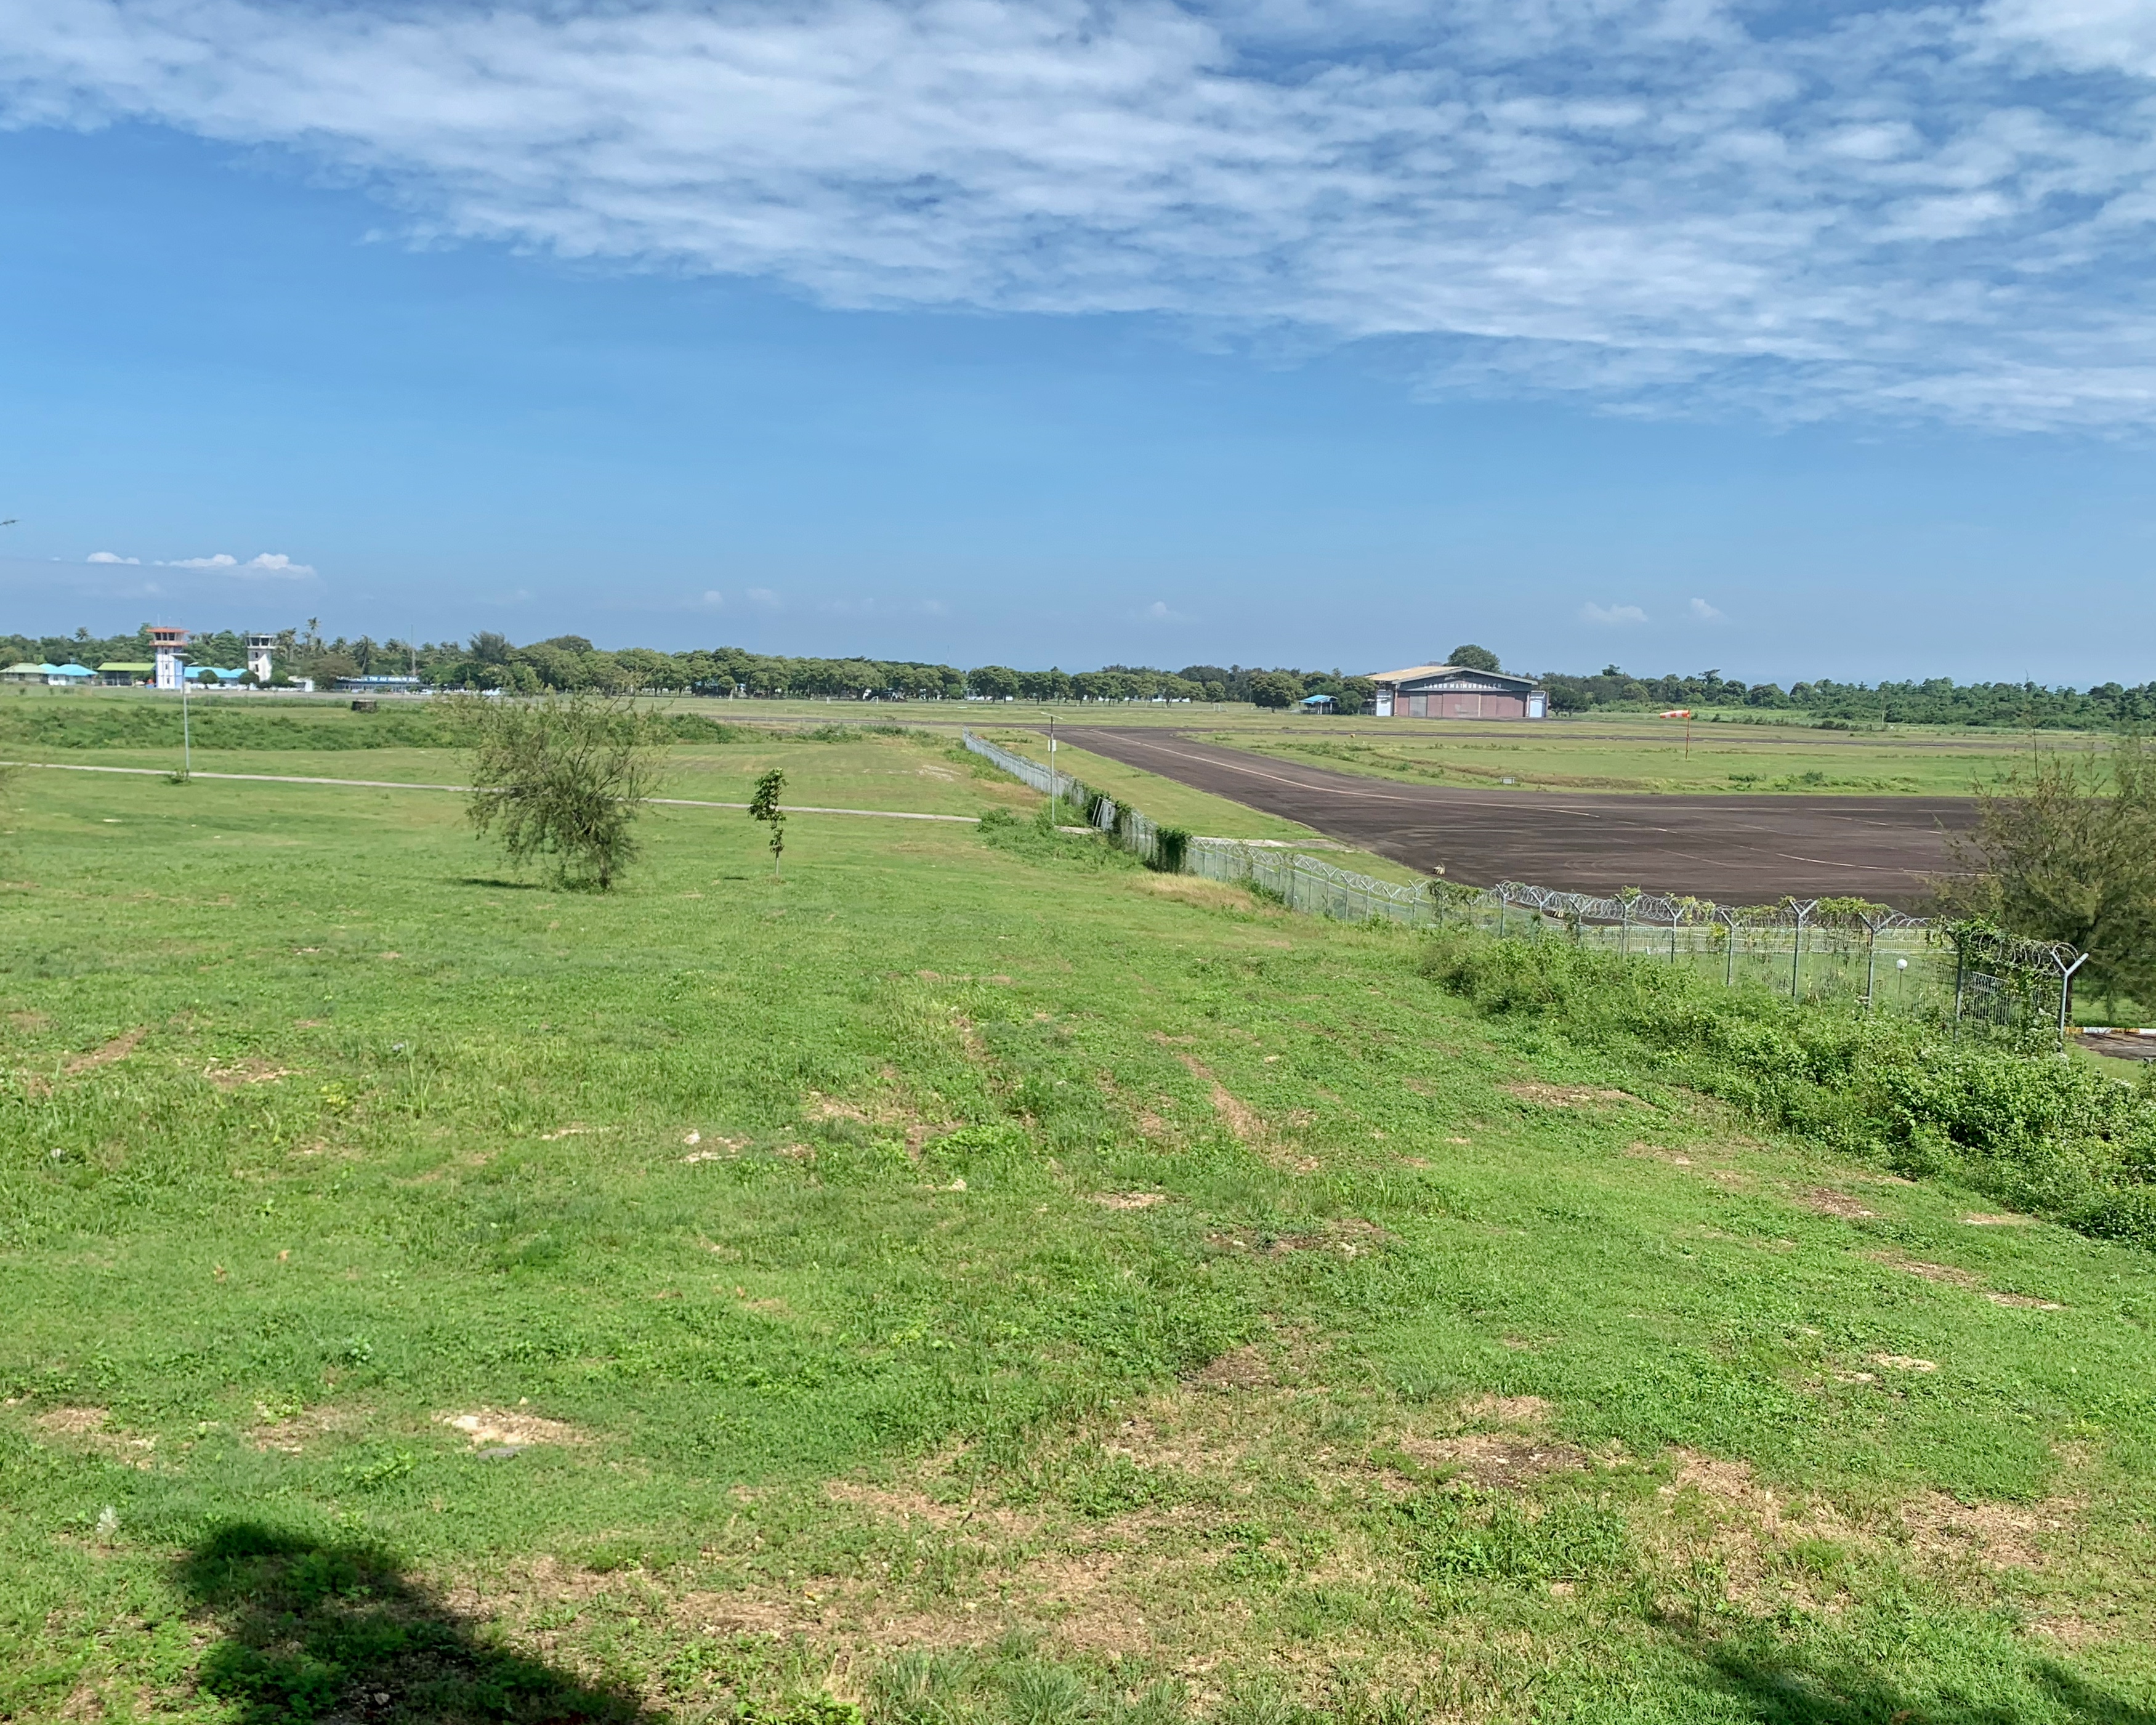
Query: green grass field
{"x": 1614, "y": 755}
{"x": 972, "y": 1279}
{"x": 1741, "y": 753}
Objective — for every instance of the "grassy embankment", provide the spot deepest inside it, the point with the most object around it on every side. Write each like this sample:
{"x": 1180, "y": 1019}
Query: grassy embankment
{"x": 1648, "y": 756}
{"x": 975, "y": 1280}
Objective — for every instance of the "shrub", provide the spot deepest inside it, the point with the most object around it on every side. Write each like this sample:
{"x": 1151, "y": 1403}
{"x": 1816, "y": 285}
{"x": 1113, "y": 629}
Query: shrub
{"x": 2065, "y": 850}
{"x": 564, "y": 778}
{"x": 2020, "y": 1122}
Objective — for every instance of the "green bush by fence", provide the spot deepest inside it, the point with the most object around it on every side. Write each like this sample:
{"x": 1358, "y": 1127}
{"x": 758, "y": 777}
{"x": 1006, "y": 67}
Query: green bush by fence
{"x": 2022, "y": 1123}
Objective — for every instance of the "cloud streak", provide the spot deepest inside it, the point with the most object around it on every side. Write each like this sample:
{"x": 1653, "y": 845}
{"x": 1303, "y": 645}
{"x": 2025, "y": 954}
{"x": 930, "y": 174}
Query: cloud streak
{"x": 1935, "y": 212}
{"x": 274, "y": 565}
{"x": 1612, "y": 616}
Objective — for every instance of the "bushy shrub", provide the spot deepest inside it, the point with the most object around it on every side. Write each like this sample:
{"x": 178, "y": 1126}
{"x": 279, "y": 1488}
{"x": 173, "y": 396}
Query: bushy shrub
{"x": 564, "y": 779}
{"x": 2022, "y": 1122}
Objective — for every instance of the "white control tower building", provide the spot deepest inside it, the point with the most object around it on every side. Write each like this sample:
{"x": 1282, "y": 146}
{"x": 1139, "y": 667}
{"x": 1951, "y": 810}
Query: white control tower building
{"x": 260, "y": 647}
{"x": 170, "y": 646}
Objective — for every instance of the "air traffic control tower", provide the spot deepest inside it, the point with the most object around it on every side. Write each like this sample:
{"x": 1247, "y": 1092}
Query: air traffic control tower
{"x": 170, "y": 648}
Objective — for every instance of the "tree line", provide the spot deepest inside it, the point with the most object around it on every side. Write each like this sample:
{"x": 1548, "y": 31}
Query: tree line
{"x": 1935, "y": 700}
{"x": 572, "y": 664}
{"x": 564, "y": 663}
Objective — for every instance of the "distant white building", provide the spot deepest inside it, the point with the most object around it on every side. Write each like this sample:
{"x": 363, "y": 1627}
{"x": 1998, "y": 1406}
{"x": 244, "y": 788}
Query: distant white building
{"x": 261, "y": 651}
{"x": 170, "y": 646}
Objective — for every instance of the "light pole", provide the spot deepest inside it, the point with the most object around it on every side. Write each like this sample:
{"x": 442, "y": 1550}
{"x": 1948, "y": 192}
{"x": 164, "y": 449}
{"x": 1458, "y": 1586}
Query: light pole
{"x": 1053, "y": 783}
{"x": 187, "y": 737}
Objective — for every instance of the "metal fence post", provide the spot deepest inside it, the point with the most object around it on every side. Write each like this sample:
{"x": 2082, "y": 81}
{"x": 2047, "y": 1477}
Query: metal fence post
{"x": 2066, "y": 992}
{"x": 1961, "y": 976}
{"x": 1796, "y": 946}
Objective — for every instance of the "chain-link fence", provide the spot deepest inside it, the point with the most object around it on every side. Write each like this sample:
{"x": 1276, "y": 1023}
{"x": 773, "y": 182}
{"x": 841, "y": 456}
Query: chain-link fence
{"x": 1304, "y": 883}
{"x": 1816, "y": 949}
{"x": 1079, "y": 804}
{"x": 1045, "y": 780}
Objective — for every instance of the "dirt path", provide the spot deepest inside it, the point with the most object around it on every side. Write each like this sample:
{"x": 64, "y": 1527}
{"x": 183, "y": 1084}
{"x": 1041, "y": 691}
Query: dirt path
{"x": 1737, "y": 849}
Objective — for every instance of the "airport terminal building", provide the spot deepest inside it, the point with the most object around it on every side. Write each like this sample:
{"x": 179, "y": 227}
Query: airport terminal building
{"x": 1449, "y": 691}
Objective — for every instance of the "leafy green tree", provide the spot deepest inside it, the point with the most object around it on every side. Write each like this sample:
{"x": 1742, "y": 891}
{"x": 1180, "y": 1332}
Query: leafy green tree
{"x": 1472, "y": 657}
{"x": 764, "y": 806}
{"x": 992, "y": 682}
{"x": 1275, "y": 689}
{"x": 563, "y": 778}
{"x": 2065, "y": 850}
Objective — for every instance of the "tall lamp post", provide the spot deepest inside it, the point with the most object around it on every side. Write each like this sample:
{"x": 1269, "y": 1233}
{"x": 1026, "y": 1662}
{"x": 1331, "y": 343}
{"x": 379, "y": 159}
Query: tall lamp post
{"x": 187, "y": 736}
{"x": 171, "y": 645}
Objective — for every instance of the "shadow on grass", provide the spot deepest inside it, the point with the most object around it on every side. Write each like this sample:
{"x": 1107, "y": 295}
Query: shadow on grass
{"x": 314, "y": 1630}
{"x": 1795, "y": 1691}
{"x": 503, "y": 885}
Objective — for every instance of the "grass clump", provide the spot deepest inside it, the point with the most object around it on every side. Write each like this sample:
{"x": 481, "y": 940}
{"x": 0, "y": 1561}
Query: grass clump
{"x": 1038, "y": 839}
{"x": 2021, "y": 1121}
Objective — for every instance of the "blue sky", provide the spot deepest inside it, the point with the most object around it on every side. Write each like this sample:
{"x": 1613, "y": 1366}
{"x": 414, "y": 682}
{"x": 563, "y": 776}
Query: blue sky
{"x": 1786, "y": 340}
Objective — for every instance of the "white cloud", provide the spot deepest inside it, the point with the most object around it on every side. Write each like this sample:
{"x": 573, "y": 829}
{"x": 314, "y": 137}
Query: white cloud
{"x": 762, "y": 598}
{"x": 110, "y": 557}
{"x": 1158, "y": 612}
{"x": 1706, "y": 613}
{"x": 713, "y": 600}
{"x": 272, "y": 564}
{"x": 276, "y": 564}
{"x": 1938, "y": 211}
{"x": 1614, "y": 616}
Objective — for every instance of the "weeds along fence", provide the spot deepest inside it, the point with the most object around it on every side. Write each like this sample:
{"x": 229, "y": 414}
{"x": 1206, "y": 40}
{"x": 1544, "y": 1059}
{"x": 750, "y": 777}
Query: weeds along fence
{"x": 1161, "y": 847}
{"x": 1306, "y": 884}
{"x": 1965, "y": 973}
